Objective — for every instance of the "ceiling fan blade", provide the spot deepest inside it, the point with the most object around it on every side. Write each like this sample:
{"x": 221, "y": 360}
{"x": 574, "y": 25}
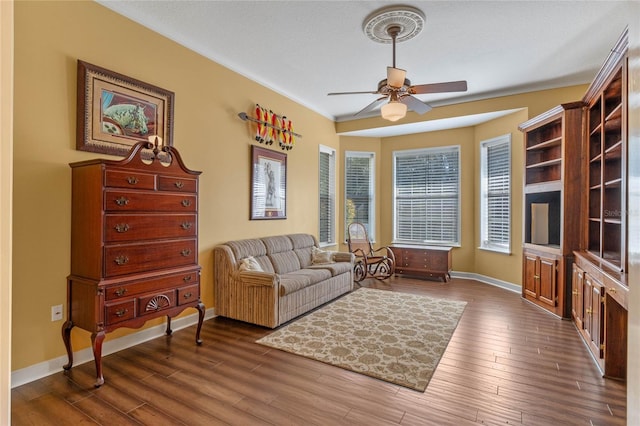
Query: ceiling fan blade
{"x": 373, "y": 105}
{"x": 451, "y": 86}
{"x": 353, "y": 93}
{"x": 396, "y": 76}
{"x": 415, "y": 104}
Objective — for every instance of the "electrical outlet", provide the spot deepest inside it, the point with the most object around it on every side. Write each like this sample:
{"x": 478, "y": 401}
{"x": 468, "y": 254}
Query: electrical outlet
{"x": 56, "y": 313}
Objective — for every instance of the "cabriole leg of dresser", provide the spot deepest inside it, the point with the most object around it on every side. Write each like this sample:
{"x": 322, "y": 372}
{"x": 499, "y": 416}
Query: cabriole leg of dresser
{"x": 200, "y": 308}
{"x": 96, "y": 341}
{"x": 66, "y": 338}
{"x": 168, "y": 331}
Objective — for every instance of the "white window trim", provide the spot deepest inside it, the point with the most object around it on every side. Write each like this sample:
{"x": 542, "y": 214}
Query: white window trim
{"x": 395, "y": 240}
{"x": 332, "y": 193}
{"x": 484, "y": 243}
{"x": 372, "y": 189}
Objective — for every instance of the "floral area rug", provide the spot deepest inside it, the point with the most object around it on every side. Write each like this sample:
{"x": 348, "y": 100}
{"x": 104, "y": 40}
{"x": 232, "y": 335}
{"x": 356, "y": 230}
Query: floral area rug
{"x": 396, "y": 337}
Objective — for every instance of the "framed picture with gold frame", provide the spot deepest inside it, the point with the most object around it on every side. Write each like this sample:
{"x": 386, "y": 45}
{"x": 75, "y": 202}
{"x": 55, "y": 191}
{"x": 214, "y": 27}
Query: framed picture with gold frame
{"x": 268, "y": 184}
{"x": 114, "y": 112}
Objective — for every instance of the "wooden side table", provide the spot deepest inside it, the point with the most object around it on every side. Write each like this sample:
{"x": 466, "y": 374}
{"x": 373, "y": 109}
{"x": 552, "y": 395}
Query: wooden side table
{"x": 423, "y": 261}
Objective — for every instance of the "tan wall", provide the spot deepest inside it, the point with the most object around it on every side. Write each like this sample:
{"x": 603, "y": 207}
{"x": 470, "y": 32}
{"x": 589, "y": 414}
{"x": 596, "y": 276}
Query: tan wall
{"x": 468, "y": 257}
{"x": 463, "y": 255}
{"x": 361, "y": 144}
{"x": 50, "y": 37}
{"x": 505, "y": 267}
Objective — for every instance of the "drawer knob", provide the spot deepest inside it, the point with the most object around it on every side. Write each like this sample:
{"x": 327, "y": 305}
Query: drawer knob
{"x": 121, "y": 227}
{"x": 158, "y": 302}
{"x": 121, "y": 312}
{"x": 132, "y": 180}
{"x": 120, "y": 292}
{"x": 122, "y": 201}
{"x": 185, "y": 252}
{"x": 186, "y": 203}
{"x": 186, "y": 225}
{"x": 612, "y": 289}
{"x": 179, "y": 184}
{"x": 187, "y": 278}
{"x": 187, "y": 295}
{"x": 121, "y": 260}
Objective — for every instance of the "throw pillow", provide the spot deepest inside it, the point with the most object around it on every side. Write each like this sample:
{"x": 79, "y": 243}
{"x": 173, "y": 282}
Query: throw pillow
{"x": 318, "y": 256}
{"x": 250, "y": 264}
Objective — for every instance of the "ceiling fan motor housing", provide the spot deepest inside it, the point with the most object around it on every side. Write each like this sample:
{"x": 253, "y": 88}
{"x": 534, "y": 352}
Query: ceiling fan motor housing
{"x": 384, "y": 88}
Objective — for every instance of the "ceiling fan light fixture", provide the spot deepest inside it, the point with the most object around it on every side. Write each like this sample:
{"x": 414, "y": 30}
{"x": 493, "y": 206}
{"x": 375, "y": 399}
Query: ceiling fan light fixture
{"x": 393, "y": 111}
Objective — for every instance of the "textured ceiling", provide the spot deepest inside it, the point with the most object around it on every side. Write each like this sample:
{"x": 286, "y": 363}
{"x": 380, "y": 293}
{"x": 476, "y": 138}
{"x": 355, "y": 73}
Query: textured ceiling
{"x": 306, "y": 49}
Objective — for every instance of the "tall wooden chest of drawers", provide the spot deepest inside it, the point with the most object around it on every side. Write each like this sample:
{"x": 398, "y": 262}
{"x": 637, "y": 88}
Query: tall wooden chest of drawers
{"x": 134, "y": 245}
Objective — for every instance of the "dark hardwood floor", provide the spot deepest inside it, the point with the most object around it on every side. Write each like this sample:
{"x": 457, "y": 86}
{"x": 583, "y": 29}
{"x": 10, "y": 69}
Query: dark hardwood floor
{"x": 508, "y": 362}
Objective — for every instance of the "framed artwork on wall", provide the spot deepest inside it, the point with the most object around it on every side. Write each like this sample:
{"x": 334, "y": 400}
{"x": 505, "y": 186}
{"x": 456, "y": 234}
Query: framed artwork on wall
{"x": 268, "y": 184}
{"x": 114, "y": 111}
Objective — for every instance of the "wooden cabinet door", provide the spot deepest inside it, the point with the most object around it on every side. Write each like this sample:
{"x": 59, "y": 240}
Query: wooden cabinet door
{"x": 577, "y": 289}
{"x": 593, "y": 312}
{"x": 597, "y": 334}
{"x": 531, "y": 272}
{"x": 547, "y": 274}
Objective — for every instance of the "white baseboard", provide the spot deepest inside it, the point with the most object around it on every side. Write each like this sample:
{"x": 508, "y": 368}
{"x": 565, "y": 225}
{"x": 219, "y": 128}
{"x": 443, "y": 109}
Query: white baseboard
{"x": 46, "y": 368}
{"x": 488, "y": 280}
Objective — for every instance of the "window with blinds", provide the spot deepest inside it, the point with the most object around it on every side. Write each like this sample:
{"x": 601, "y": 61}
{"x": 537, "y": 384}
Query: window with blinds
{"x": 327, "y": 191}
{"x": 359, "y": 190}
{"x": 427, "y": 196}
{"x": 495, "y": 194}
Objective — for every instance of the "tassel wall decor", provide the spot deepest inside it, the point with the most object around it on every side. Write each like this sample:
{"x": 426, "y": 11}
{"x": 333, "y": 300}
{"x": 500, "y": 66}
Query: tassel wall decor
{"x": 271, "y": 127}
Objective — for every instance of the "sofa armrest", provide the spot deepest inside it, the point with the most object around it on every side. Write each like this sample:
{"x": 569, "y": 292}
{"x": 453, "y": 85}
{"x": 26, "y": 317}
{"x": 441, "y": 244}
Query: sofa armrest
{"x": 255, "y": 278}
{"x": 343, "y": 256}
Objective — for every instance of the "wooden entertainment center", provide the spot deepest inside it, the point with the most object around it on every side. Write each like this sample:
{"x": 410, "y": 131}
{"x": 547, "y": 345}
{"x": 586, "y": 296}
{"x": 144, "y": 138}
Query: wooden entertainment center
{"x": 575, "y": 257}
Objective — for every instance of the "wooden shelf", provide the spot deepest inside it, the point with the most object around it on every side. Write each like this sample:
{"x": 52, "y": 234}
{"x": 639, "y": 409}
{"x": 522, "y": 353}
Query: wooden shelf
{"x": 546, "y": 144}
{"x": 547, "y": 163}
{"x": 613, "y": 183}
{"x": 614, "y": 151}
{"x": 615, "y": 114}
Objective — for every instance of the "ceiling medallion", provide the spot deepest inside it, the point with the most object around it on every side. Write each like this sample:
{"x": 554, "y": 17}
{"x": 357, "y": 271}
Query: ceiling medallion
{"x": 409, "y": 19}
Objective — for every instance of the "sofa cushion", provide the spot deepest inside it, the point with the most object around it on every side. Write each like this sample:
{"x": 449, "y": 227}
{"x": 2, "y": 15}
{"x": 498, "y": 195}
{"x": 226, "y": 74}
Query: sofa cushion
{"x": 302, "y": 278}
{"x": 336, "y": 268}
{"x": 319, "y": 257}
{"x": 277, "y": 244}
{"x": 250, "y": 264}
{"x": 280, "y": 251}
{"x": 255, "y": 248}
{"x": 245, "y": 248}
{"x": 303, "y": 244}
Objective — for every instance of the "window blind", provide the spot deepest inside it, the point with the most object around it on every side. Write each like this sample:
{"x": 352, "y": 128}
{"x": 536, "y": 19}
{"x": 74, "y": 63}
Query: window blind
{"x": 326, "y": 178}
{"x": 496, "y": 193}
{"x": 426, "y": 196}
{"x": 359, "y": 190}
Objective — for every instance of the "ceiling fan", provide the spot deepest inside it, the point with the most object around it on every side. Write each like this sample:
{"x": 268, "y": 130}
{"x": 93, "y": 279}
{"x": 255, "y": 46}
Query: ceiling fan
{"x": 397, "y": 89}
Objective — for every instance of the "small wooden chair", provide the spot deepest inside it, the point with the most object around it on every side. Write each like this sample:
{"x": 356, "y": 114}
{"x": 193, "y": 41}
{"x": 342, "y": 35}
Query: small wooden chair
{"x": 378, "y": 263}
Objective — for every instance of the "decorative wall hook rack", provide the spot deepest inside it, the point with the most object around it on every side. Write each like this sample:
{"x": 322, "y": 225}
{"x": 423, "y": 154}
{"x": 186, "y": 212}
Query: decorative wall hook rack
{"x": 271, "y": 127}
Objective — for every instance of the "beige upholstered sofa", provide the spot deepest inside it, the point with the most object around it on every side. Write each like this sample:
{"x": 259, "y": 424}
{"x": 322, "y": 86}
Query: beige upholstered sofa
{"x": 269, "y": 281}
